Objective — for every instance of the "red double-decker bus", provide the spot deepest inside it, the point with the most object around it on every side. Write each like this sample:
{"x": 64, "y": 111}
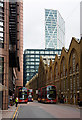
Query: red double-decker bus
{"x": 48, "y": 94}
{"x": 39, "y": 95}
{"x": 22, "y": 95}
{"x": 30, "y": 95}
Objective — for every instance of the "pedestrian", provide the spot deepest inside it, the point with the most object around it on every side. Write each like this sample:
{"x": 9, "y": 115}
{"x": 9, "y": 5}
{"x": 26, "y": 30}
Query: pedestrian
{"x": 16, "y": 100}
{"x": 64, "y": 100}
{"x": 11, "y": 100}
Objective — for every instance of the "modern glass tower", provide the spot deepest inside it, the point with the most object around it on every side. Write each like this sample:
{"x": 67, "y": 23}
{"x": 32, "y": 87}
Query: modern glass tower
{"x": 54, "y": 29}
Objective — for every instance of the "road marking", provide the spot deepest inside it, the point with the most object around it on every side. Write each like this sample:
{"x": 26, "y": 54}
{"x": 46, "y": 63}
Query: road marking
{"x": 15, "y": 113}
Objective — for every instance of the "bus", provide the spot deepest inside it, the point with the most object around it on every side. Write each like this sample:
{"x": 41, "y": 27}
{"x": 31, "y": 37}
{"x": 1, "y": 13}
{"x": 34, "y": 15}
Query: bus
{"x": 39, "y": 95}
{"x": 48, "y": 94}
{"x": 22, "y": 95}
{"x": 30, "y": 95}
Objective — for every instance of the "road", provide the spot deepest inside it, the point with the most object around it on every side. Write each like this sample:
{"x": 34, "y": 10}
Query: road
{"x": 39, "y": 110}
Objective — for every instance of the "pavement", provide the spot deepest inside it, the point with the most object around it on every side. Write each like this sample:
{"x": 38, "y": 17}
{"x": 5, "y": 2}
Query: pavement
{"x": 70, "y": 105}
{"x": 8, "y": 113}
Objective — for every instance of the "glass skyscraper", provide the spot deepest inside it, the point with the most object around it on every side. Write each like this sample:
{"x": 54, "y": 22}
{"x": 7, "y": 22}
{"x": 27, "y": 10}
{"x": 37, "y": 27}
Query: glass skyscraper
{"x": 54, "y": 29}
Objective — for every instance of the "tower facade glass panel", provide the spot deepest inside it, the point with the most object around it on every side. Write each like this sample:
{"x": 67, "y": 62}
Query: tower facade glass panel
{"x": 54, "y": 29}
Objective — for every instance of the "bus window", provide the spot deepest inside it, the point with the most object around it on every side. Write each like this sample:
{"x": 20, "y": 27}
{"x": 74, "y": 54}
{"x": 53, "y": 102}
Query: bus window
{"x": 22, "y": 94}
{"x": 51, "y": 94}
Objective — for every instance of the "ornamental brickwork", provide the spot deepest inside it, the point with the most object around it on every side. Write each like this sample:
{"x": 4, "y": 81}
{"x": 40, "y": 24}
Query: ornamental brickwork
{"x": 64, "y": 73}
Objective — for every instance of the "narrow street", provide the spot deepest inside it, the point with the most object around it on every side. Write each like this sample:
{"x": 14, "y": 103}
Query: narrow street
{"x": 40, "y": 110}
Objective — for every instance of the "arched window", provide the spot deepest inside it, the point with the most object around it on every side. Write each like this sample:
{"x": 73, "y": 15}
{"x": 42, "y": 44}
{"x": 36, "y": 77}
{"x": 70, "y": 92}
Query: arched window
{"x": 56, "y": 71}
{"x": 73, "y": 60}
{"x": 66, "y": 72}
{"x": 71, "y": 87}
{"x": 77, "y": 68}
{"x": 70, "y": 71}
{"x": 61, "y": 74}
{"x": 77, "y": 76}
{"x": 64, "y": 84}
{"x": 54, "y": 75}
{"x": 74, "y": 87}
{"x": 77, "y": 81}
{"x": 51, "y": 74}
{"x": 58, "y": 76}
{"x": 66, "y": 80}
{"x": 63, "y": 68}
{"x": 46, "y": 75}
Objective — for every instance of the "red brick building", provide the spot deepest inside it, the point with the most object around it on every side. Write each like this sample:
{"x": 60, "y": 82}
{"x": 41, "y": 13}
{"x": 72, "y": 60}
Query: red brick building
{"x": 11, "y": 49}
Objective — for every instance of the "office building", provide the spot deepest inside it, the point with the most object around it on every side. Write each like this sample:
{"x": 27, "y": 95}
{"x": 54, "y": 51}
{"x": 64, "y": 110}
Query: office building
{"x": 54, "y": 29}
{"x": 11, "y": 50}
{"x": 31, "y": 60}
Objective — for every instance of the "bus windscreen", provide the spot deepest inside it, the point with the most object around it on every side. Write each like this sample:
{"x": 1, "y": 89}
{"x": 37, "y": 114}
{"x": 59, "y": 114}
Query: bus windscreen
{"x": 51, "y": 94}
{"x": 22, "y": 94}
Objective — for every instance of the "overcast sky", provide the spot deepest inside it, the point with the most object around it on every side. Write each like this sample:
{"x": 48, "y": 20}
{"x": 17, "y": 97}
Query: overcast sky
{"x": 34, "y": 20}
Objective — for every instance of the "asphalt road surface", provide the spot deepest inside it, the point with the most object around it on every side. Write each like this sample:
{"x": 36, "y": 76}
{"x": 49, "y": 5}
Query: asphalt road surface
{"x": 40, "y": 110}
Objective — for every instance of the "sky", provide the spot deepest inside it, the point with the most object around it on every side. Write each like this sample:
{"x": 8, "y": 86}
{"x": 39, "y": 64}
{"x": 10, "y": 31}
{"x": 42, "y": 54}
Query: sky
{"x": 34, "y": 21}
